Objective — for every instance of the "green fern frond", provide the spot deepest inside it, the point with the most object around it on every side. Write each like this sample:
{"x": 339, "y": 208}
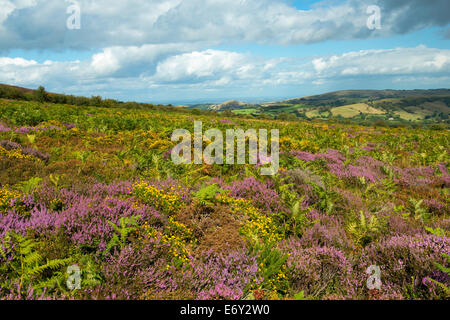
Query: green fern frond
{"x": 26, "y": 268}
{"x": 127, "y": 225}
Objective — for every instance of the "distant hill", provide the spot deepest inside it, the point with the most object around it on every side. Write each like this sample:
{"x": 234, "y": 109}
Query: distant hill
{"x": 227, "y": 105}
{"x": 358, "y": 105}
{"x": 345, "y": 96}
{"x": 21, "y": 89}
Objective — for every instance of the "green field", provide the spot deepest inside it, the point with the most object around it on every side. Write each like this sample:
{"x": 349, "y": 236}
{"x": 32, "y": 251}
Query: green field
{"x": 353, "y": 110}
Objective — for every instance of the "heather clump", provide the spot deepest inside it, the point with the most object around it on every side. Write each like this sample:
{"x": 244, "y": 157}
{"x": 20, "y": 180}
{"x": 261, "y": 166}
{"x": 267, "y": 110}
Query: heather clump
{"x": 261, "y": 194}
{"x": 326, "y": 231}
{"x": 222, "y": 276}
{"x": 405, "y": 260}
{"x": 319, "y": 271}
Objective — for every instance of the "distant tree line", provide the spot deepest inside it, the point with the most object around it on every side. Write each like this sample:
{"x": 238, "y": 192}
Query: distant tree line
{"x": 40, "y": 95}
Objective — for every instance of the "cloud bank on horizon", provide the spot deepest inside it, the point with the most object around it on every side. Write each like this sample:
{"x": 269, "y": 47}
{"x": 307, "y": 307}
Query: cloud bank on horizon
{"x": 218, "y": 49}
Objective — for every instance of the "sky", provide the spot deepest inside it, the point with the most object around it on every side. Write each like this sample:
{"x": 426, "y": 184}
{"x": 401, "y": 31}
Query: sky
{"x": 193, "y": 51}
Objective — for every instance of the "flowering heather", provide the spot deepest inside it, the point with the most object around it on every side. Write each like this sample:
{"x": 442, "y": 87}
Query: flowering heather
{"x": 405, "y": 257}
{"x": 84, "y": 219}
{"x": 320, "y": 271}
{"x": 368, "y": 148}
{"x": 305, "y": 156}
{"x": 41, "y": 127}
{"x": 131, "y": 272}
{"x": 302, "y": 177}
{"x": 436, "y": 207}
{"x": 365, "y": 167}
{"x": 261, "y": 194}
{"x": 4, "y": 128}
{"x": 25, "y": 130}
{"x": 430, "y": 282}
{"x": 9, "y": 145}
{"x": 445, "y": 176}
{"x": 69, "y": 125}
{"x": 217, "y": 276}
{"x": 332, "y": 156}
{"x": 30, "y": 294}
{"x": 414, "y": 176}
{"x": 326, "y": 231}
{"x": 212, "y": 276}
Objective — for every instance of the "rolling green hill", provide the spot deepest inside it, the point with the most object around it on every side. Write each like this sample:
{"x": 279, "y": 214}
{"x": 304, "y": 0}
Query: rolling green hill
{"x": 394, "y": 106}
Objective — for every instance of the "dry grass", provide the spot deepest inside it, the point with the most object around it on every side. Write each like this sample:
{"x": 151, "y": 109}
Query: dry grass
{"x": 216, "y": 228}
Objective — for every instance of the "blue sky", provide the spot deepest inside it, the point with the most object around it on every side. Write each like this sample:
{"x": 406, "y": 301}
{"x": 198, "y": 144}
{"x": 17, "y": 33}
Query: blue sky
{"x": 173, "y": 51}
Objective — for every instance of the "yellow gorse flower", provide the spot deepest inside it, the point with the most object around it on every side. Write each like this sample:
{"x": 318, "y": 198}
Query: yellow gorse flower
{"x": 177, "y": 236}
{"x": 167, "y": 201}
{"x": 16, "y": 154}
{"x": 6, "y": 198}
{"x": 257, "y": 226}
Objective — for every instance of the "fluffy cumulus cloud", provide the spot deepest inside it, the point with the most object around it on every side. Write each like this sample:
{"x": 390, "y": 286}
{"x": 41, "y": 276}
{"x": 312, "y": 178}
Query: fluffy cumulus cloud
{"x": 165, "y": 66}
{"x": 400, "y": 61}
{"x": 215, "y": 66}
{"x": 105, "y": 23}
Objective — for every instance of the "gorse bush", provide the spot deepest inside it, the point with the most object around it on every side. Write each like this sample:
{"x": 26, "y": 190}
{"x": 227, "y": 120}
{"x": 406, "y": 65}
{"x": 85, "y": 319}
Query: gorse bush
{"x": 178, "y": 238}
{"x": 168, "y": 202}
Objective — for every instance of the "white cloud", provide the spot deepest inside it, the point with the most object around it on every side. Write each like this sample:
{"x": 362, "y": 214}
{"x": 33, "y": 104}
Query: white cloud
{"x": 19, "y": 62}
{"x": 168, "y": 67}
{"x": 419, "y": 60}
{"x": 105, "y": 62}
{"x": 204, "y": 64}
{"x": 109, "y": 23}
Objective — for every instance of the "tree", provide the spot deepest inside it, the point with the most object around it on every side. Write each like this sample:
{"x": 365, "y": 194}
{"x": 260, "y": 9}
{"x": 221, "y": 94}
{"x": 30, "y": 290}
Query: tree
{"x": 96, "y": 101}
{"x": 40, "y": 94}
